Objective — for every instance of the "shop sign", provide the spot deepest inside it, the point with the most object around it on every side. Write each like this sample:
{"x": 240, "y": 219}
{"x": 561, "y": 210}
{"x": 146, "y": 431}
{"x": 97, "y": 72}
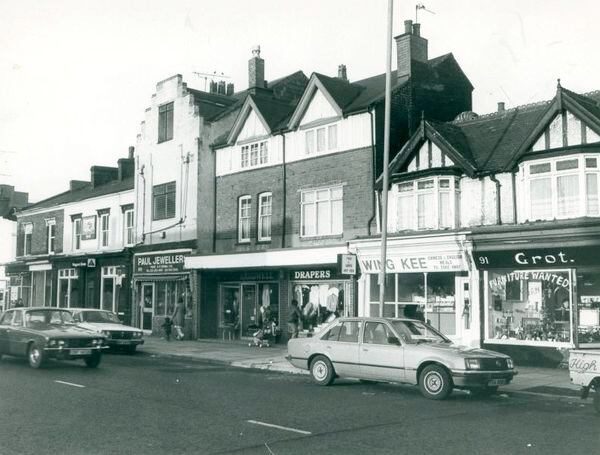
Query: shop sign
{"x": 160, "y": 263}
{"x": 79, "y": 264}
{"x": 257, "y": 276}
{"x": 452, "y": 262}
{"x": 536, "y": 258}
{"x": 88, "y": 227}
{"x": 313, "y": 274}
{"x": 91, "y": 262}
{"x": 347, "y": 264}
{"x": 556, "y": 279}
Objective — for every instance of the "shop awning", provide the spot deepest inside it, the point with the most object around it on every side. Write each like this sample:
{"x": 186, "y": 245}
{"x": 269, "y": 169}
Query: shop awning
{"x": 14, "y": 268}
{"x": 279, "y": 258}
{"x": 151, "y": 277}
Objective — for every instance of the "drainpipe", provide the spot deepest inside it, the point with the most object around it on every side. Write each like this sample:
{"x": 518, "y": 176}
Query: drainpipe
{"x": 374, "y": 171}
{"x": 214, "y": 227}
{"x": 498, "y": 201}
{"x": 284, "y": 185}
{"x": 513, "y": 176}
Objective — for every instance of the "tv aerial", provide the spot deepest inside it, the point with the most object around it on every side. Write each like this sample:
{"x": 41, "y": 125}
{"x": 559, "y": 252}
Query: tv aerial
{"x": 419, "y": 6}
{"x": 212, "y": 76}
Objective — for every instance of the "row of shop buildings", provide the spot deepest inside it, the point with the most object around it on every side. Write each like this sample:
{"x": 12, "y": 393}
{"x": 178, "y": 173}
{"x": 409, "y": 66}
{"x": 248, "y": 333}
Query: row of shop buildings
{"x": 236, "y": 203}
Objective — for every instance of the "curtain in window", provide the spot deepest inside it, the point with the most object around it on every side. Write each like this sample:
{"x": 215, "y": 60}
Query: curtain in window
{"x": 541, "y": 199}
{"x": 332, "y": 130}
{"x": 445, "y": 210}
{"x": 406, "y": 211}
{"x": 309, "y": 138}
{"x": 426, "y": 211}
{"x": 592, "y": 207}
{"x": 567, "y": 187}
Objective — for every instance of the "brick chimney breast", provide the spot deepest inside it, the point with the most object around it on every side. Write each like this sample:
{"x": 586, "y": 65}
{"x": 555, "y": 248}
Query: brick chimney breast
{"x": 342, "y": 74}
{"x": 256, "y": 70}
{"x": 410, "y": 47}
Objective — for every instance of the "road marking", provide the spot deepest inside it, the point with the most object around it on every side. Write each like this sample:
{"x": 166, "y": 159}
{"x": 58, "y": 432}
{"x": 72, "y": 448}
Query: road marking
{"x": 70, "y": 383}
{"x": 279, "y": 427}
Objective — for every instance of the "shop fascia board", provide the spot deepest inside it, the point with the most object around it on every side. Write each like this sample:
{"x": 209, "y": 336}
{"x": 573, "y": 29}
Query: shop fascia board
{"x": 446, "y": 243}
{"x": 281, "y": 258}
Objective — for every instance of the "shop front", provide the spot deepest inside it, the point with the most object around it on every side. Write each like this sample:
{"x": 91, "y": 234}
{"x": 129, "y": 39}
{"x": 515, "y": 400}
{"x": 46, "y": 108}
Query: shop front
{"x": 160, "y": 283}
{"x": 539, "y": 300}
{"x": 236, "y": 302}
{"x": 18, "y": 287}
{"x": 427, "y": 278}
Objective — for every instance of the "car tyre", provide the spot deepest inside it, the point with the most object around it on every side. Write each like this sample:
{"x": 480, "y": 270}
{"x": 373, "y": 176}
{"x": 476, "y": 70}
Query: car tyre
{"x": 93, "y": 361}
{"x": 435, "y": 383}
{"x": 131, "y": 349}
{"x": 36, "y": 356}
{"x": 322, "y": 371}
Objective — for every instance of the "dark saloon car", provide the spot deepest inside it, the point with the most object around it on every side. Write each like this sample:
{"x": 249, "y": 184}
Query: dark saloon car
{"x": 46, "y": 333}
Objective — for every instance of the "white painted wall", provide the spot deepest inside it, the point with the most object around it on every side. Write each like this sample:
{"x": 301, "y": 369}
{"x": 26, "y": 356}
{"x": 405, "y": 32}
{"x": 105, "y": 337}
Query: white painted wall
{"x": 319, "y": 108}
{"x": 173, "y": 160}
{"x": 253, "y": 127}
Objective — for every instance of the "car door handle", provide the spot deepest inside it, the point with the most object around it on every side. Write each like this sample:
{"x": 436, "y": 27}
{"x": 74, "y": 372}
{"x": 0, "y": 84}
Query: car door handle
{"x": 365, "y": 349}
{"x": 327, "y": 346}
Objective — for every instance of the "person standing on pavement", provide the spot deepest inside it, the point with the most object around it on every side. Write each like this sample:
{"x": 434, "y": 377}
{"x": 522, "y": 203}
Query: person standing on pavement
{"x": 294, "y": 319}
{"x": 178, "y": 318}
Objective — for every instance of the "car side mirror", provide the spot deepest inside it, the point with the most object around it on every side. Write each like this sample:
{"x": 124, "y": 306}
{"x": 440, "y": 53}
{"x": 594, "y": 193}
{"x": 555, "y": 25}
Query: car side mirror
{"x": 393, "y": 340}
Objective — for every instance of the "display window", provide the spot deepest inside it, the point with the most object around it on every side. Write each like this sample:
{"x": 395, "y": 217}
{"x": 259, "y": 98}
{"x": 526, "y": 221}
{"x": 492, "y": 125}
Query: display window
{"x": 588, "y": 307}
{"x": 68, "y": 288}
{"x": 427, "y": 296}
{"x": 529, "y": 306}
{"x": 319, "y": 301}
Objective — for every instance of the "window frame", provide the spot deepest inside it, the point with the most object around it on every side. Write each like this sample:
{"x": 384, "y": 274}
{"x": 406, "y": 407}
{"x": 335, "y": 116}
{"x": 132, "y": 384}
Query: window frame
{"x": 104, "y": 236}
{"x": 127, "y": 229}
{"x": 261, "y": 197}
{"x": 315, "y": 211}
{"x": 329, "y": 135}
{"x": 77, "y": 228}
{"x": 254, "y": 154}
{"x": 51, "y": 236}
{"x": 244, "y": 218}
{"x": 165, "y": 193}
{"x": 27, "y": 234}
{"x": 165, "y": 122}
{"x": 68, "y": 274}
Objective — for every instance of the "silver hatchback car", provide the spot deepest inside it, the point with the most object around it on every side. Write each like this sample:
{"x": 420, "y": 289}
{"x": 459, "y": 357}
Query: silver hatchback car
{"x": 399, "y": 350}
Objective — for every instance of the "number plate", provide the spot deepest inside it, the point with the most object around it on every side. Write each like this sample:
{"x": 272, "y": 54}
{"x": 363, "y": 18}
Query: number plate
{"x": 497, "y": 382}
{"x": 81, "y": 351}
{"x": 122, "y": 342}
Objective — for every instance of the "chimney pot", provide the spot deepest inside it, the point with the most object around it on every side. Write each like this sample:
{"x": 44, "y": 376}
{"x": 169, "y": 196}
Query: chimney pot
{"x": 131, "y": 151}
{"x": 256, "y": 70}
{"x": 221, "y": 88}
{"x": 408, "y": 26}
{"x": 410, "y": 47}
{"x": 342, "y": 74}
{"x": 229, "y": 90}
{"x": 416, "y": 29}
{"x": 501, "y": 106}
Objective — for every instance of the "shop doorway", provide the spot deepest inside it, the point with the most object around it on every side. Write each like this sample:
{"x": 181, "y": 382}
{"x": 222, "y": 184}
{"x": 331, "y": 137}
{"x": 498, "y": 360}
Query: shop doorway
{"x": 249, "y": 322}
{"x": 147, "y": 306}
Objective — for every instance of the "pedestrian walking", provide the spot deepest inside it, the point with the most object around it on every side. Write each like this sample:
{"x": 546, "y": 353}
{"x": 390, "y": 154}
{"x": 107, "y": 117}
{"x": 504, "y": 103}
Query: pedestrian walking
{"x": 168, "y": 327}
{"x": 294, "y": 319}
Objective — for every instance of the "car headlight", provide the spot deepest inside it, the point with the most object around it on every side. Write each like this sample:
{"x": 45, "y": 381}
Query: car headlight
{"x": 473, "y": 364}
{"x": 61, "y": 342}
{"x": 52, "y": 343}
{"x": 509, "y": 363}
{"x": 137, "y": 334}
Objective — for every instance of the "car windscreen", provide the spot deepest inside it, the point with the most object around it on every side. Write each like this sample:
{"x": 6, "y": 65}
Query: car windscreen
{"x": 99, "y": 316}
{"x": 35, "y": 317}
{"x": 416, "y": 332}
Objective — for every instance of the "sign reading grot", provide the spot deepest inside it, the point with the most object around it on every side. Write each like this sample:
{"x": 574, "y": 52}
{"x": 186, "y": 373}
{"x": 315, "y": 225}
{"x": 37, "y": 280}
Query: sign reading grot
{"x": 538, "y": 257}
{"x": 452, "y": 262}
{"x": 160, "y": 263}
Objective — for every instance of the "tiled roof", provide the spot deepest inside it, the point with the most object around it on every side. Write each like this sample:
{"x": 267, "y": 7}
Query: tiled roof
{"x": 86, "y": 192}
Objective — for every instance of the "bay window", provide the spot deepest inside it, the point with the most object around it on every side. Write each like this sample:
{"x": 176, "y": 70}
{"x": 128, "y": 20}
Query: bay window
{"x": 322, "y": 211}
{"x": 564, "y": 187}
{"x": 427, "y": 203}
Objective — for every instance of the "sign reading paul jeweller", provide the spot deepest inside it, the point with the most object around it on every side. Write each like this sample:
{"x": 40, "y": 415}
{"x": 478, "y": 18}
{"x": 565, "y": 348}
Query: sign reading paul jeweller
{"x": 159, "y": 263}
{"x": 446, "y": 262}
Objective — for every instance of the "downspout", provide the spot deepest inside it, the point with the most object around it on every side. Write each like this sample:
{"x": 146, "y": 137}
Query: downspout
{"x": 373, "y": 171}
{"x": 214, "y": 207}
{"x": 498, "y": 201}
{"x": 284, "y": 185}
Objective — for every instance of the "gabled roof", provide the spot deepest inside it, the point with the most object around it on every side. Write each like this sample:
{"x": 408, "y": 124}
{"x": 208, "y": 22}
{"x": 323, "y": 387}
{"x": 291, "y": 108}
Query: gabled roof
{"x": 496, "y": 142}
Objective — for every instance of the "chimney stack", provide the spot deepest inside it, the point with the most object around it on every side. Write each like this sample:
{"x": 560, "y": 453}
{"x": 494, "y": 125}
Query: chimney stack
{"x": 221, "y": 88}
{"x": 501, "y": 106}
{"x": 410, "y": 47}
{"x": 101, "y": 175}
{"x": 213, "y": 87}
{"x": 342, "y": 73}
{"x": 256, "y": 70}
{"x": 131, "y": 152}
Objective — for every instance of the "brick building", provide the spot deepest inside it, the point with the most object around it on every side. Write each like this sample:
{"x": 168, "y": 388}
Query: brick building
{"x": 294, "y": 170}
{"x": 494, "y": 229}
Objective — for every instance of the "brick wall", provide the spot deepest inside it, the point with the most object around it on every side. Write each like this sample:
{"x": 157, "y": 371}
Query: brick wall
{"x": 39, "y": 238}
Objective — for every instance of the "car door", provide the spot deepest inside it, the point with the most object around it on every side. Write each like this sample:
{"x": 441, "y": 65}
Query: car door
{"x": 16, "y": 335}
{"x": 5, "y": 322}
{"x": 381, "y": 358}
{"x": 341, "y": 346}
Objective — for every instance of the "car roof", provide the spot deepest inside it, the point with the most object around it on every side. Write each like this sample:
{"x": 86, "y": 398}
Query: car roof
{"x": 48, "y": 308}
{"x": 89, "y": 309}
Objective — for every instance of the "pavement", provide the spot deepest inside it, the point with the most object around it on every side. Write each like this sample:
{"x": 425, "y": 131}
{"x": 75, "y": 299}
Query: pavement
{"x": 552, "y": 382}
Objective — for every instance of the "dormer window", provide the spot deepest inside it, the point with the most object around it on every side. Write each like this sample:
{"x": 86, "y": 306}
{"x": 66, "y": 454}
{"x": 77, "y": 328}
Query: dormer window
{"x": 254, "y": 154}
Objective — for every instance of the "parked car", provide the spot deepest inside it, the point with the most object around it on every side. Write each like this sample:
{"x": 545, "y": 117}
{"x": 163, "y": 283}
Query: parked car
{"x": 46, "y": 333}
{"x": 118, "y": 335}
{"x": 399, "y": 350}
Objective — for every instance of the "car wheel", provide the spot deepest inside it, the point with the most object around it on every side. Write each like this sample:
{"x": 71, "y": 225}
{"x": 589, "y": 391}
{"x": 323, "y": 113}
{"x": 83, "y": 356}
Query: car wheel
{"x": 321, "y": 370}
{"x": 435, "y": 383}
{"x": 35, "y": 356}
{"x": 484, "y": 392}
{"x": 93, "y": 361}
{"x": 597, "y": 400}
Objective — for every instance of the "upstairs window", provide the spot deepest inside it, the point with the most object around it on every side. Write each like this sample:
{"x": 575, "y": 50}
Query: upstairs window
{"x": 565, "y": 187}
{"x": 163, "y": 201}
{"x": 244, "y": 213}
{"x": 165, "y": 122}
{"x": 104, "y": 229}
{"x": 265, "y": 210}
{"x": 322, "y": 212}
{"x": 427, "y": 204}
{"x": 129, "y": 234}
{"x": 254, "y": 154}
{"x": 77, "y": 233}
{"x": 27, "y": 238}
{"x": 318, "y": 140}
{"x": 51, "y": 236}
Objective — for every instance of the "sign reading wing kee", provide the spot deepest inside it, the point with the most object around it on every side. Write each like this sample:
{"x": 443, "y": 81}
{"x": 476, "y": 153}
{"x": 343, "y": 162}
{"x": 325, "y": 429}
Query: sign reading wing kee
{"x": 452, "y": 262}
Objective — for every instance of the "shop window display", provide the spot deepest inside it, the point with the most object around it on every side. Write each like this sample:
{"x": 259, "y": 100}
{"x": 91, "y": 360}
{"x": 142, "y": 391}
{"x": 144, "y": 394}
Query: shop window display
{"x": 248, "y": 307}
{"x": 588, "y": 286}
{"x": 319, "y": 302}
{"x": 531, "y": 305}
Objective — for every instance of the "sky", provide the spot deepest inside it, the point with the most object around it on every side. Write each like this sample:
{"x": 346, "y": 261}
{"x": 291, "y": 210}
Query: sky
{"x": 77, "y": 75}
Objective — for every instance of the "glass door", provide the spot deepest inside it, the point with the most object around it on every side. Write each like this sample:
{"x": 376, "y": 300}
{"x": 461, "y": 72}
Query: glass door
{"x": 249, "y": 320}
{"x": 147, "y": 306}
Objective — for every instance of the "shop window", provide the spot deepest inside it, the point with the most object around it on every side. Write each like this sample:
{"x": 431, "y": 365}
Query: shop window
{"x": 167, "y": 293}
{"x": 322, "y": 211}
{"x": 48, "y": 288}
{"x": 68, "y": 288}
{"x": 529, "y": 306}
{"x": 165, "y": 122}
{"x": 129, "y": 234}
{"x": 588, "y": 287}
{"x": 319, "y": 302}
{"x": 108, "y": 288}
{"x": 51, "y": 235}
{"x": 163, "y": 201}
{"x": 27, "y": 238}
{"x": 562, "y": 188}
{"x": 427, "y": 204}
{"x": 244, "y": 207}
{"x": 265, "y": 210}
